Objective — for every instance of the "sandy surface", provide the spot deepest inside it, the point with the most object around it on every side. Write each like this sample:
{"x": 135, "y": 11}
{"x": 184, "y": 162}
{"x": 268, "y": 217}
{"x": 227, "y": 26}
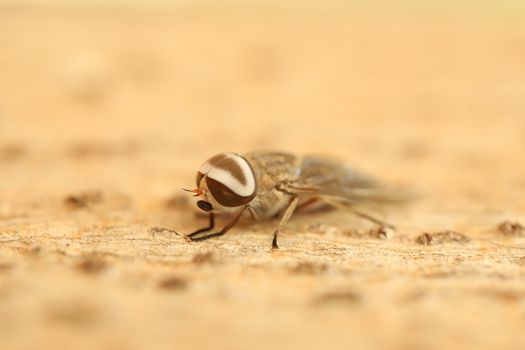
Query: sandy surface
{"x": 105, "y": 113}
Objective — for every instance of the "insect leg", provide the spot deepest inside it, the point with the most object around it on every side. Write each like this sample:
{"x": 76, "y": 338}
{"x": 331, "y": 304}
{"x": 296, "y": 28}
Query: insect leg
{"x": 205, "y": 229}
{"x": 312, "y": 201}
{"x": 216, "y": 234}
{"x": 284, "y": 220}
{"x": 373, "y": 219}
{"x": 349, "y": 206}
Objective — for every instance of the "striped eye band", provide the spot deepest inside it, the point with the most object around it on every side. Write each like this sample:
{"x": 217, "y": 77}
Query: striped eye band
{"x": 230, "y": 179}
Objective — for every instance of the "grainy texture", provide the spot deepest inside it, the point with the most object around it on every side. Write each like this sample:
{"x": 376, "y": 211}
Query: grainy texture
{"x": 105, "y": 113}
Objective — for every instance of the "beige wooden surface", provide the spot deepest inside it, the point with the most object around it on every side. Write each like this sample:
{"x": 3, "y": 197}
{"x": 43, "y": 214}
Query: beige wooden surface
{"x": 105, "y": 113}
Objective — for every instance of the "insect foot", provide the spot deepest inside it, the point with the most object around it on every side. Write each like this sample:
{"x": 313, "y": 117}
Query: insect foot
{"x": 274, "y": 241}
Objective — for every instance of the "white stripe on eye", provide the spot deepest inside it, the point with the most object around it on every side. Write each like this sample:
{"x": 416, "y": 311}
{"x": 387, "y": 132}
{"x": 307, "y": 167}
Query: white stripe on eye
{"x": 226, "y": 178}
{"x": 207, "y": 166}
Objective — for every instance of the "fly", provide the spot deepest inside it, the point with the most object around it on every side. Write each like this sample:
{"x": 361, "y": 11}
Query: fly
{"x": 267, "y": 184}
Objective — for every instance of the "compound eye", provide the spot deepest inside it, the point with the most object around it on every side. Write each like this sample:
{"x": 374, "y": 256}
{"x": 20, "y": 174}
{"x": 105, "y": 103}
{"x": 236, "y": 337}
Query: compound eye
{"x": 206, "y": 206}
{"x": 225, "y": 196}
{"x": 230, "y": 179}
{"x": 210, "y": 164}
{"x": 199, "y": 178}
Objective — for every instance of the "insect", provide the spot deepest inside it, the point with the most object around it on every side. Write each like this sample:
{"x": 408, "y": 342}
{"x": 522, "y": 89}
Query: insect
{"x": 268, "y": 184}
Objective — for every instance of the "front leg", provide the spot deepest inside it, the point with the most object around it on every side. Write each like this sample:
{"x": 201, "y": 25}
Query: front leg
{"x": 210, "y": 227}
{"x": 225, "y": 229}
{"x": 284, "y": 220}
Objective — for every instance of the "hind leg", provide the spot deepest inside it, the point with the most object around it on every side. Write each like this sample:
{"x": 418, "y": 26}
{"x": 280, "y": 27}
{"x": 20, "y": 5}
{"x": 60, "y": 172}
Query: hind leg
{"x": 284, "y": 220}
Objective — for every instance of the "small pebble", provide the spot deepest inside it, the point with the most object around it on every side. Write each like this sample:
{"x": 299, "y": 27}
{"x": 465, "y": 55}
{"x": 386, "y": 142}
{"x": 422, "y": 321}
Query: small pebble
{"x": 441, "y": 238}
{"x": 82, "y": 200}
{"x": 509, "y": 228}
{"x": 92, "y": 264}
{"x": 173, "y": 283}
{"x": 382, "y": 232}
{"x": 203, "y": 258}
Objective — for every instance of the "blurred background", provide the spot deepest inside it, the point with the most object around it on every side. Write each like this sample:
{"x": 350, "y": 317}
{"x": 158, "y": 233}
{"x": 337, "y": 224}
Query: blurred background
{"x": 130, "y": 97}
{"x": 359, "y": 79}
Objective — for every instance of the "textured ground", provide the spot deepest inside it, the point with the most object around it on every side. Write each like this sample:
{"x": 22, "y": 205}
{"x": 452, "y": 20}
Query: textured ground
{"x": 105, "y": 113}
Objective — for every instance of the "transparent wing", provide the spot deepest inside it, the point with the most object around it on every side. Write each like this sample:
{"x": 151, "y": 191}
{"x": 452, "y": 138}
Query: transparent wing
{"x": 325, "y": 177}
